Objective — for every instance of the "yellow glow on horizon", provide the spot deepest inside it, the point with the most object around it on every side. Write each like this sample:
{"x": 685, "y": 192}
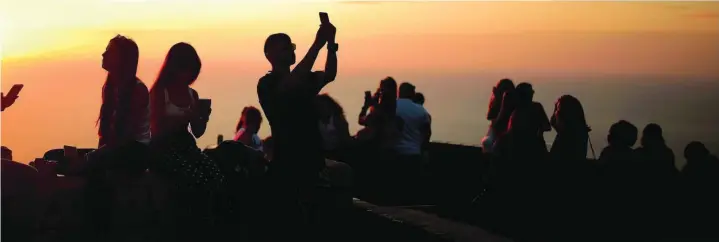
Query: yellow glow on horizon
{"x": 61, "y": 27}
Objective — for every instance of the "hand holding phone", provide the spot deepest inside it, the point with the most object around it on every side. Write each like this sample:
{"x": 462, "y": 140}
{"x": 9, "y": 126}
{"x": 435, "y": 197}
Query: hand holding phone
{"x": 324, "y": 18}
{"x": 327, "y": 30}
{"x": 9, "y": 100}
{"x": 368, "y": 98}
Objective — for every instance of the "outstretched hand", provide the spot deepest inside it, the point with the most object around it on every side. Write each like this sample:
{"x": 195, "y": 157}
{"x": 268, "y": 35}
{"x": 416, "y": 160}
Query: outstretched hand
{"x": 7, "y": 101}
{"x": 325, "y": 34}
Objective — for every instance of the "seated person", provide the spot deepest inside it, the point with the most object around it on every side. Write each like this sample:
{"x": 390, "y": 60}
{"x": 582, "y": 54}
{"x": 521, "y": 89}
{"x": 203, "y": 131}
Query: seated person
{"x": 248, "y": 126}
{"x": 21, "y": 199}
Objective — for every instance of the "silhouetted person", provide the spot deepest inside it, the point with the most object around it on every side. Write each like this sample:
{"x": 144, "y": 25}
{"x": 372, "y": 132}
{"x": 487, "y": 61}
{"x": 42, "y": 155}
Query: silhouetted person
{"x": 657, "y": 159}
{"x": 415, "y": 132}
{"x": 572, "y": 138}
{"x": 418, "y": 98}
{"x": 333, "y": 126}
{"x": 700, "y": 197}
{"x": 174, "y": 106}
{"x": 125, "y": 111}
{"x": 124, "y": 129}
{"x": 287, "y": 96}
{"x": 619, "y": 154}
{"x": 493, "y": 112}
{"x": 525, "y": 103}
{"x": 248, "y": 126}
{"x": 21, "y": 199}
{"x": 417, "y": 124}
{"x": 381, "y": 127}
{"x": 620, "y": 180}
{"x": 702, "y": 168}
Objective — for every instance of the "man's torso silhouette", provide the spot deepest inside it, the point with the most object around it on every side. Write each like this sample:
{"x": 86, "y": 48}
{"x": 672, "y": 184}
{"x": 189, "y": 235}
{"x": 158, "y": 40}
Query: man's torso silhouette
{"x": 293, "y": 120}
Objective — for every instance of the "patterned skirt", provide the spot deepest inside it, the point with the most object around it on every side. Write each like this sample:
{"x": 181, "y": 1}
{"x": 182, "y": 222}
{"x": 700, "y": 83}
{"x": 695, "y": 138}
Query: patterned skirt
{"x": 195, "y": 180}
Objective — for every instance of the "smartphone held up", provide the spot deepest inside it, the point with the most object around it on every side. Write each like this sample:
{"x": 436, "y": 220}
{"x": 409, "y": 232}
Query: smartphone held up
{"x": 324, "y": 18}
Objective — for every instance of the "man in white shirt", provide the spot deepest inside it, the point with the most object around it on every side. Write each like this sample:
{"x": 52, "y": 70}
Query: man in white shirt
{"x": 416, "y": 121}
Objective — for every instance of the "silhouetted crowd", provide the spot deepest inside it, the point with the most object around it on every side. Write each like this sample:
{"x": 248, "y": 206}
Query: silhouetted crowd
{"x": 626, "y": 194}
{"x": 149, "y": 181}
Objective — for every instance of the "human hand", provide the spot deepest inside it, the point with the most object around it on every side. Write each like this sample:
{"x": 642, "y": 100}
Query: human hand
{"x": 320, "y": 38}
{"x": 329, "y": 31}
{"x": 7, "y": 101}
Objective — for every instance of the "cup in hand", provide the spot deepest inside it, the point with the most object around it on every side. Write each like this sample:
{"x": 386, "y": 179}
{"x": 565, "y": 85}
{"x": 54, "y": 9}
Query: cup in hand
{"x": 204, "y": 107}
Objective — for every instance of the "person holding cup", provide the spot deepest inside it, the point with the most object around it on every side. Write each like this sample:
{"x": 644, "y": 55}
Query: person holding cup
{"x": 175, "y": 105}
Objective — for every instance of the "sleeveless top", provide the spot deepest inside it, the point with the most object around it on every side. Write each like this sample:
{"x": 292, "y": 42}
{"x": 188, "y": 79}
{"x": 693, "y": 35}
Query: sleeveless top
{"x": 173, "y": 110}
{"x": 140, "y": 123}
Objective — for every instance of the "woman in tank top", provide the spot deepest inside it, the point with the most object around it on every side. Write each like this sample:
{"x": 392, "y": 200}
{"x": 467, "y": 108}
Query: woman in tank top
{"x": 124, "y": 129}
{"x": 493, "y": 112}
{"x": 196, "y": 178}
{"x": 125, "y": 111}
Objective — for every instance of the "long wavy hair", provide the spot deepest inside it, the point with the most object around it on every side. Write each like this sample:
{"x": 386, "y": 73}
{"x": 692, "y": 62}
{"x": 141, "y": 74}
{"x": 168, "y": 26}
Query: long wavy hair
{"x": 182, "y": 57}
{"x": 569, "y": 110}
{"x": 495, "y": 101}
{"x": 335, "y": 109}
{"x": 388, "y": 100}
{"x": 118, "y": 87}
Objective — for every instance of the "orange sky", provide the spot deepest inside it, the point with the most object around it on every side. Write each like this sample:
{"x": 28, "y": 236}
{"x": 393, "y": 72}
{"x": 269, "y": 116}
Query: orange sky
{"x": 54, "y": 46}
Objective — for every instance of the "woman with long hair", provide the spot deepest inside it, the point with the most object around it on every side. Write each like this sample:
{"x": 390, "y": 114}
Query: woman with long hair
{"x": 248, "y": 126}
{"x": 174, "y": 106}
{"x": 125, "y": 111}
{"x": 495, "y": 106}
{"x": 124, "y": 129}
{"x": 570, "y": 143}
{"x": 333, "y": 125}
{"x": 381, "y": 126}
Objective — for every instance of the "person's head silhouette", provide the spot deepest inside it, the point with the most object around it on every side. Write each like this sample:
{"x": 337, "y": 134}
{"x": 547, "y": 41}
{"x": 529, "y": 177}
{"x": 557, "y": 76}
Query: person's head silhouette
{"x": 525, "y": 93}
{"x": 279, "y": 50}
{"x": 182, "y": 66}
{"x": 652, "y": 136}
{"x": 622, "y": 134}
{"x": 388, "y": 88}
{"x": 328, "y": 106}
{"x": 120, "y": 60}
{"x": 406, "y": 90}
{"x": 6, "y": 153}
{"x": 569, "y": 110}
{"x": 695, "y": 150}
{"x": 121, "y": 56}
{"x": 418, "y": 98}
{"x": 251, "y": 120}
{"x": 495, "y": 101}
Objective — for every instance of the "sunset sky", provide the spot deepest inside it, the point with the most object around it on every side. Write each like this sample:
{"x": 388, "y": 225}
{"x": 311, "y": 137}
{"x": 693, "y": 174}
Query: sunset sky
{"x": 54, "y": 46}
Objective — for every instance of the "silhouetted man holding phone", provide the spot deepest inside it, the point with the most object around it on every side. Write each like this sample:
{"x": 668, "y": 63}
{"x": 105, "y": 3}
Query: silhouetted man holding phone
{"x": 287, "y": 98}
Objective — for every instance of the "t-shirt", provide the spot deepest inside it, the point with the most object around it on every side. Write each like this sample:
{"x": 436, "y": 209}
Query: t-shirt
{"x": 415, "y": 118}
{"x": 293, "y": 121}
